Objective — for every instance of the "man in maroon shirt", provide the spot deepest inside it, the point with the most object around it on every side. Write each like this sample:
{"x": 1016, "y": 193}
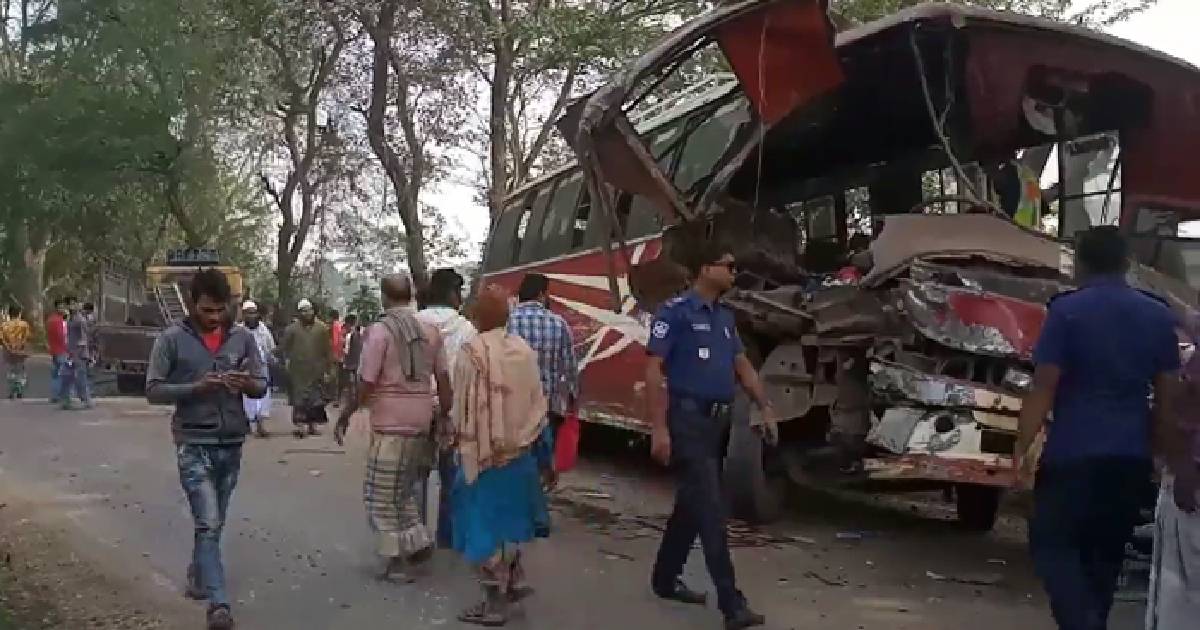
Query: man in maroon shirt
{"x": 56, "y": 340}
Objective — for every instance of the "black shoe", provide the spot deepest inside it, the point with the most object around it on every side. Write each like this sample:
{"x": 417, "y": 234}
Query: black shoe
{"x": 193, "y": 590}
{"x": 681, "y": 593}
{"x": 744, "y": 618}
{"x": 219, "y": 618}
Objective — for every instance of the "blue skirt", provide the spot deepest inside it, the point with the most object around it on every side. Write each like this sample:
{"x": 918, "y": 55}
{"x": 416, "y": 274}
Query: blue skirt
{"x": 505, "y": 505}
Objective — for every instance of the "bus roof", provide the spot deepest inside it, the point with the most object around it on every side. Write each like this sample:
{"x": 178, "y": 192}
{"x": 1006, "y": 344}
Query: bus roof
{"x": 859, "y": 101}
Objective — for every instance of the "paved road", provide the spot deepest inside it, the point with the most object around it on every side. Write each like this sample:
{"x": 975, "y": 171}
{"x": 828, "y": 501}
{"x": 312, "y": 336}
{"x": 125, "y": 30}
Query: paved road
{"x": 299, "y": 552}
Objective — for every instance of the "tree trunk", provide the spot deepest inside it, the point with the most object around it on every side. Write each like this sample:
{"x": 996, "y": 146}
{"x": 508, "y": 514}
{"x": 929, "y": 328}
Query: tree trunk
{"x": 29, "y": 253}
{"x": 285, "y": 267}
{"x": 406, "y": 182}
{"x": 498, "y": 126}
{"x": 414, "y": 243}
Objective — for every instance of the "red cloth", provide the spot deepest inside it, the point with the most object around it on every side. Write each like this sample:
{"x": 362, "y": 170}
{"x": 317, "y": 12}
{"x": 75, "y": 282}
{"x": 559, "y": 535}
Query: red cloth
{"x": 566, "y": 443}
{"x": 213, "y": 340}
{"x": 56, "y": 334}
{"x": 338, "y": 336}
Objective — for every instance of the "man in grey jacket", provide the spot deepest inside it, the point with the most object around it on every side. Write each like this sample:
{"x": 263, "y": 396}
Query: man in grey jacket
{"x": 204, "y": 366}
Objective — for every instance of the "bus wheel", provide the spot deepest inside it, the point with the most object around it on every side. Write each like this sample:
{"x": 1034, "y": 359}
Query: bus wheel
{"x": 755, "y": 496}
{"x": 977, "y": 506}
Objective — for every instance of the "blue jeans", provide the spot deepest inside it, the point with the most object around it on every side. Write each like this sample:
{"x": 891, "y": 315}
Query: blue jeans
{"x": 208, "y": 474}
{"x": 1084, "y": 513}
{"x": 74, "y": 377}
{"x": 57, "y": 363}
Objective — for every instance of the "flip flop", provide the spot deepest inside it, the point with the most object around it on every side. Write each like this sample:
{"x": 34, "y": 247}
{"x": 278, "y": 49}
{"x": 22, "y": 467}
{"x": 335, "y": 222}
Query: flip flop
{"x": 480, "y": 615}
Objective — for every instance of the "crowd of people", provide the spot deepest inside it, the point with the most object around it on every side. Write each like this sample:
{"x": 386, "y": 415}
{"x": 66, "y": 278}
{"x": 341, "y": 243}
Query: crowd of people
{"x": 478, "y": 398}
{"x": 70, "y": 342}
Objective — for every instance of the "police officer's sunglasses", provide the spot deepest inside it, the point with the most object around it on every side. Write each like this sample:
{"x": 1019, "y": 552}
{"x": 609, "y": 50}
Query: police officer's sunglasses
{"x": 731, "y": 265}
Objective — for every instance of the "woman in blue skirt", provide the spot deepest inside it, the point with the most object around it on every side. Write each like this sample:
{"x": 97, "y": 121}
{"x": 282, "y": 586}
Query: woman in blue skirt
{"x": 504, "y": 452}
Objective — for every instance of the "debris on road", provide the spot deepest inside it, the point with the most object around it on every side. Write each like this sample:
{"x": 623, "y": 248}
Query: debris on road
{"x": 983, "y": 579}
{"x": 616, "y": 555}
{"x": 825, "y": 580}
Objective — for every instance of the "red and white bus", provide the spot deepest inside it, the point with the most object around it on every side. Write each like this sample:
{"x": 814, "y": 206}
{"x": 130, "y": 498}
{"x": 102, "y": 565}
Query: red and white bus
{"x": 547, "y": 228}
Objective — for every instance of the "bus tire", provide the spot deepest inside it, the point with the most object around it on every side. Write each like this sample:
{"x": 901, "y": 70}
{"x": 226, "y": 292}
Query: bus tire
{"x": 977, "y": 506}
{"x": 754, "y": 495}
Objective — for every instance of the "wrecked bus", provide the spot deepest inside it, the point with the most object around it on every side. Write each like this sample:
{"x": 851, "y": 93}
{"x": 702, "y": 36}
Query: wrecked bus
{"x": 902, "y": 198}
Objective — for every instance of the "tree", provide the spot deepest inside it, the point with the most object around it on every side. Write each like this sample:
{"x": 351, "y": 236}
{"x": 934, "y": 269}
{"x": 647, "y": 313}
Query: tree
{"x": 415, "y": 96}
{"x": 1094, "y": 13}
{"x": 108, "y": 129}
{"x": 532, "y": 56}
{"x": 299, "y": 45}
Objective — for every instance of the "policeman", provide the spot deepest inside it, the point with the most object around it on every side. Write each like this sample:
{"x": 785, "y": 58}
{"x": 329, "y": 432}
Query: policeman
{"x": 695, "y": 345}
{"x": 1103, "y": 348}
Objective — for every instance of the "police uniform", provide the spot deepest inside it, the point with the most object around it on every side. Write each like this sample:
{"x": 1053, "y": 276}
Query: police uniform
{"x": 698, "y": 343}
{"x": 1109, "y": 341}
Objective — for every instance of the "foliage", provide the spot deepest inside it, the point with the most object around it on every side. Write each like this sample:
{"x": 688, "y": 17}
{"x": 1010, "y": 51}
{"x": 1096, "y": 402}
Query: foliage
{"x": 1090, "y": 12}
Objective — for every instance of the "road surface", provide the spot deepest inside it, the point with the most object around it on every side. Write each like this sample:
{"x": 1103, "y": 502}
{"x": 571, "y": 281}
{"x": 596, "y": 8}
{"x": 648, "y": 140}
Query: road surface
{"x": 98, "y": 491}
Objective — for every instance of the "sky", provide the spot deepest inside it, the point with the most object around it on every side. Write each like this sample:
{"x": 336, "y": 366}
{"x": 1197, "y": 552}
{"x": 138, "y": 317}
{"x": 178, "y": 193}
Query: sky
{"x": 1171, "y": 26}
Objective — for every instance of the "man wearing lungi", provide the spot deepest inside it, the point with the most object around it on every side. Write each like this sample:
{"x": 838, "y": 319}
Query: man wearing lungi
{"x": 401, "y": 358}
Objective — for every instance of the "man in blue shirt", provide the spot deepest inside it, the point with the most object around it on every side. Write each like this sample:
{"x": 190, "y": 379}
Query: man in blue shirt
{"x": 1103, "y": 349}
{"x": 694, "y": 343}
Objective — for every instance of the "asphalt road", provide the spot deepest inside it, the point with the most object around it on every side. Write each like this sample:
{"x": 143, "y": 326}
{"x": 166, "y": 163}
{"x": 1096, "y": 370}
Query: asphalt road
{"x": 298, "y": 550}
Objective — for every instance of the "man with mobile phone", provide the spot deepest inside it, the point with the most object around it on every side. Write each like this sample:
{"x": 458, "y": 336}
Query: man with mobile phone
{"x": 204, "y": 366}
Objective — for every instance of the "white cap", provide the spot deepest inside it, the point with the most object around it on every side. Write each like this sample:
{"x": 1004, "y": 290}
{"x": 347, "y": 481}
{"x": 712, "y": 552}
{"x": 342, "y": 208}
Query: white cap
{"x": 304, "y": 304}
{"x": 249, "y": 305}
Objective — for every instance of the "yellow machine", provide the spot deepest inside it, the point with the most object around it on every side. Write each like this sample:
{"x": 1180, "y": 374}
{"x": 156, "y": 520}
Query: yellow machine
{"x": 128, "y": 326}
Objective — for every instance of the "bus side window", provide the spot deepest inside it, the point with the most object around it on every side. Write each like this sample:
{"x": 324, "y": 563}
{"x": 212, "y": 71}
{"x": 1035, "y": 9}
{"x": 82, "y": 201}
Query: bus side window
{"x": 533, "y": 236}
{"x": 583, "y": 214}
{"x": 563, "y": 213}
{"x": 504, "y": 241}
{"x": 638, "y": 216}
{"x": 705, "y": 143}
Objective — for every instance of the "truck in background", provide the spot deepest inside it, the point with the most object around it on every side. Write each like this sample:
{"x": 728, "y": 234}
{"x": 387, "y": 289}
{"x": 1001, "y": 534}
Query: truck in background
{"x": 131, "y": 311}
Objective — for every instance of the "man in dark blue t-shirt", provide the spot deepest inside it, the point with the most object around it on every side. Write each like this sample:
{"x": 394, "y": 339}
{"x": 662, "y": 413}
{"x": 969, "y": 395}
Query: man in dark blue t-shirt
{"x": 694, "y": 343}
{"x": 1102, "y": 351}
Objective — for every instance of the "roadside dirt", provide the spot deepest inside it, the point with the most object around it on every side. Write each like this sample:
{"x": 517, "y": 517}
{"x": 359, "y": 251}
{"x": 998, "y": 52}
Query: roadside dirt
{"x": 45, "y": 585}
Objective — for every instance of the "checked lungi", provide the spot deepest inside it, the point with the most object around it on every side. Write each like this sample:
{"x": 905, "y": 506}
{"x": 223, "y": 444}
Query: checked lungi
{"x": 396, "y": 465}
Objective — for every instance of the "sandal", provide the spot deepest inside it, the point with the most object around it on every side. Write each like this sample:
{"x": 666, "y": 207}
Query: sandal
{"x": 484, "y": 614}
{"x": 394, "y": 573}
{"x": 518, "y": 593}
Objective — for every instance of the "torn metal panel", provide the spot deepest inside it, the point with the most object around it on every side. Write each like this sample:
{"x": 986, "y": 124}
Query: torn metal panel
{"x": 841, "y": 310}
{"x": 973, "y": 321}
{"x": 989, "y": 278}
{"x": 896, "y": 382}
{"x": 987, "y": 470}
{"x": 893, "y": 430}
{"x": 906, "y": 238}
{"x": 765, "y": 48}
{"x": 788, "y": 380}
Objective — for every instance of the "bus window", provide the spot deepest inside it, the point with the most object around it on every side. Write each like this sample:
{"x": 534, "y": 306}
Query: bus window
{"x": 638, "y": 216}
{"x": 582, "y": 215}
{"x": 506, "y": 239}
{"x": 533, "y": 235}
{"x": 707, "y": 142}
{"x": 560, "y": 217}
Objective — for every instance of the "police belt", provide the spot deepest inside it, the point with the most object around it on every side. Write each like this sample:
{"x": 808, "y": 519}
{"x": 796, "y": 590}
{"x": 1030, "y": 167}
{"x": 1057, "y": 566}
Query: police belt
{"x": 706, "y": 406}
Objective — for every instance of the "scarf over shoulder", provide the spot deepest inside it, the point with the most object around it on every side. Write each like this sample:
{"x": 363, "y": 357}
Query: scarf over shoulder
{"x": 499, "y": 408}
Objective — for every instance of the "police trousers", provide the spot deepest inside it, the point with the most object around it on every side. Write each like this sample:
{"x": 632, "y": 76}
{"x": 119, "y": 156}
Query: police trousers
{"x": 1084, "y": 514}
{"x": 697, "y": 448}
